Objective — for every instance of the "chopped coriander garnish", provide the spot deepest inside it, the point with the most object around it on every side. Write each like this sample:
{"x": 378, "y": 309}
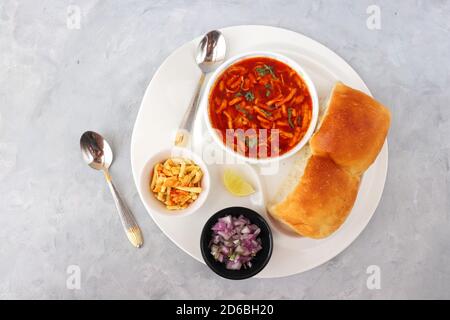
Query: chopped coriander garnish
{"x": 238, "y": 94}
{"x": 262, "y": 71}
{"x": 268, "y": 86}
{"x": 291, "y": 124}
{"x": 271, "y": 71}
{"x": 267, "y": 93}
{"x": 249, "y": 96}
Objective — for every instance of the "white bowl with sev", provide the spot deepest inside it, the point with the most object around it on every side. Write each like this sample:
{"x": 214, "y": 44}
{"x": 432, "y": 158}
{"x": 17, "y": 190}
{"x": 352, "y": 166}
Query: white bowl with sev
{"x": 174, "y": 182}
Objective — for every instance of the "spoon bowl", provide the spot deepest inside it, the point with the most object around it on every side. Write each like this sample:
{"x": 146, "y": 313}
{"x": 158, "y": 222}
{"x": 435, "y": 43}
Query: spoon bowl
{"x": 96, "y": 151}
{"x": 211, "y": 51}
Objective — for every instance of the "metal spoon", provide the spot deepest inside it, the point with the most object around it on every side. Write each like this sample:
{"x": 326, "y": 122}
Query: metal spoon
{"x": 210, "y": 54}
{"x": 98, "y": 155}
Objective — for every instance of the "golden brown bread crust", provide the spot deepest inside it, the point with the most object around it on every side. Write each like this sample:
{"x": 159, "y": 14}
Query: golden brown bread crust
{"x": 353, "y": 130}
{"x": 347, "y": 142}
{"x": 321, "y": 201}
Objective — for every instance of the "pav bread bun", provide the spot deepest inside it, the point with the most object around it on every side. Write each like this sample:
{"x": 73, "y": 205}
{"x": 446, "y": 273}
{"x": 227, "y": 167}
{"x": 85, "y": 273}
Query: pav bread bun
{"x": 353, "y": 129}
{"x": 347, "y": 142}
{"x": 321, "y": 200}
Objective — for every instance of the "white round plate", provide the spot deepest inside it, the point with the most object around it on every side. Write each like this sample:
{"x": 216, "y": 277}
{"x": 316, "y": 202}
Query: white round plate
{"x": 163, "y": 106}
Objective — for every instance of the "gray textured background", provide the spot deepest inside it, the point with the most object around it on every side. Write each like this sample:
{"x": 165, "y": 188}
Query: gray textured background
{"x": 56, "y": 82}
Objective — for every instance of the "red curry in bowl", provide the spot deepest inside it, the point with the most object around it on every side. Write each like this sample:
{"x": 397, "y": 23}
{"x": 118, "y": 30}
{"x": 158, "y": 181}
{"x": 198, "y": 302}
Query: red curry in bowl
{"x": 266, "y": 99}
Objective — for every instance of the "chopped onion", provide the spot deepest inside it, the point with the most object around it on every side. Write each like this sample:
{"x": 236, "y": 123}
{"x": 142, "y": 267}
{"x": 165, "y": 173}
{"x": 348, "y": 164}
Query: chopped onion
{"x": 235, "y": 242}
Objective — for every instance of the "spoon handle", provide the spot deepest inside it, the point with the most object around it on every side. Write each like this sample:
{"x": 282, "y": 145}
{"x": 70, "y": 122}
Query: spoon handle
{"x": 128, "y": 221}
{"x": 185, "y": 127}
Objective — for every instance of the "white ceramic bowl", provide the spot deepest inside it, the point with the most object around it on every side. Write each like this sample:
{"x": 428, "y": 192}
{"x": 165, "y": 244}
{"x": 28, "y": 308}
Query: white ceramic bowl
{"x": 295, "y": 66}
{"x": 154, "y": 205}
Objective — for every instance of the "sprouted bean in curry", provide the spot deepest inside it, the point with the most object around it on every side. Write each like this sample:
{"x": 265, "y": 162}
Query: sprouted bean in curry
{"x": 260, "y": 93}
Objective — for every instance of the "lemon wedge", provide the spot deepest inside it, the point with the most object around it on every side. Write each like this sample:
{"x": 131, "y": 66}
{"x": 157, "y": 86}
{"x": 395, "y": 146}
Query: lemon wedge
{"x": 236, "y": 184}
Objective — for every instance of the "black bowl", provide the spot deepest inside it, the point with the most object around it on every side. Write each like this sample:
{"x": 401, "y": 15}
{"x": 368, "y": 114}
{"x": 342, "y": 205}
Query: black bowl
{"x": 258, "y": 262}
